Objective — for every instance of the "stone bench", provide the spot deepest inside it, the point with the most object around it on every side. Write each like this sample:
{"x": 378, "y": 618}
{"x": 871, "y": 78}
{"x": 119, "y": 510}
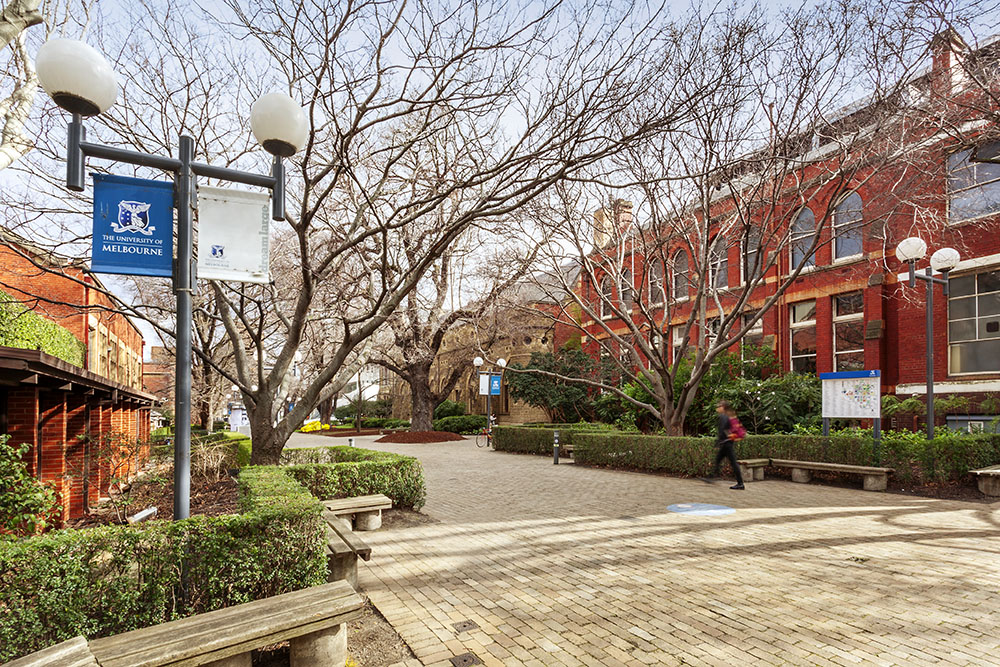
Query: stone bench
{"x": 364, "y": 511}
{"x": 752, "y": 469}
{"x": 343, "y": 548}
{"x": 313, "y": 622}
{"x": 988, "y": 480}
{"x": 876, "y": 479}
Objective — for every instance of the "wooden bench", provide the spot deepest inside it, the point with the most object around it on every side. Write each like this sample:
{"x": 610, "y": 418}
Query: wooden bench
{"x": 365, "y": 511}
{"x": 313, "y": 622}
{"x": 343, "y": 548}
{"x": 752, "y": 469}
{"x": 988, "y": 480}
{"x": 876, "y": 479}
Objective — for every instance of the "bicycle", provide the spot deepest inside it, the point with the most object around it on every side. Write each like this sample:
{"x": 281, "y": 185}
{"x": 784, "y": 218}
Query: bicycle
{"x": 484, "y": 438}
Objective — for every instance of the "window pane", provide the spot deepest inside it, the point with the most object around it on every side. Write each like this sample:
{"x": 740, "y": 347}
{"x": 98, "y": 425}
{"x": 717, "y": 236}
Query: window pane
{"x": 989, "y": 282}
{"x": 986, "y": 171}
{"x": 989, "y": 328}
{"x": 989, "y": 304}
{"x": 804, "y": 365}
{"x": 958, "y": 160}
{"x": 963, "y": 286}
{"x": 959, "y": 309}
{"x": 975, "y": 202}
{"x": 804, "y": 341}
{"x": 803, "y": 311}
{"x": 850, "y": 336}
{"x": 805, "y": 223}
{"x": 962, "y": 330}
{"x": 799, "y": 250}
{"x": 981, "y": 357}
{"x": 848, "y": 304}
{"x": 848, "y": 241}
{"x": 854, "y": 361}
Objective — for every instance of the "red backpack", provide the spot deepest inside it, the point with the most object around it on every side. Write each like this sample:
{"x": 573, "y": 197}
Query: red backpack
{"x": 736, "y": 430}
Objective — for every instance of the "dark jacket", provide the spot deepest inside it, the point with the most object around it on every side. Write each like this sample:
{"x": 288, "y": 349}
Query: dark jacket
{"x": 722, "y": 424}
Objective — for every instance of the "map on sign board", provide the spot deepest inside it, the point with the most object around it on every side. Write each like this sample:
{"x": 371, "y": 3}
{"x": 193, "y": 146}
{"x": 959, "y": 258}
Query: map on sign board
{"x": 852, "y": 395}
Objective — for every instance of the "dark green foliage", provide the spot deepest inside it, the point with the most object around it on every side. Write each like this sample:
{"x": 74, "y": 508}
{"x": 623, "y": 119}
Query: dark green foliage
{"x": 384, "y": 422}
{"x": 26, "y": 505}
{"x": 947, "y": 457}
{"x": 104, "y": 581}
{"x": 19, "y": 327}
{"x": 448, "y": 408}
{"x": 461, "y": 423}
{"x": 344, "y": 472}
{"x": 563, "y": 401}
{"x": 380, "y": 408}
{"x": 539, "y": 439}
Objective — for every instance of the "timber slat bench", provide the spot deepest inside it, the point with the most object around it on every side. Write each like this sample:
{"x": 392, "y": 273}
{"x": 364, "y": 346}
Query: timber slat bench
{"x": 343, "y": 548}
{"x": 366, "y": 511}
{"x": 988, "y": 480}
{"x": 752, "y": 469}
{"x": 313, "y": 622}
{"x": 876, "y": 479}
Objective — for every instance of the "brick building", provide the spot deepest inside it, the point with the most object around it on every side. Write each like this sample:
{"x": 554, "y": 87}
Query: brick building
{"x": 850, "y": 308}
{"x": 73, "y": 417}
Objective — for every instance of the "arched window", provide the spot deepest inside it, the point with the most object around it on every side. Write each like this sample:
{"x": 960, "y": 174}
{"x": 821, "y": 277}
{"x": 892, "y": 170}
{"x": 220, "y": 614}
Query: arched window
{"x": 847, "y": 227}
{"x": 607, "y": 294}
{"x": 719, "y": 264}
{"x": 626, "y": 292}
{"x": 680, "y": 283}
{"x": 803, "y": 232}
{"x": 655, "y": 282}
{"x": 753, "y": 258}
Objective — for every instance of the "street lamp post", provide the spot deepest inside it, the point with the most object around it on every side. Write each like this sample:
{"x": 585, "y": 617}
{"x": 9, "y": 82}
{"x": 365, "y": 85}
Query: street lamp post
{"x": 80, "y": 80}
{"x": 944, "y": 260}
{"x": 478, "y": 363}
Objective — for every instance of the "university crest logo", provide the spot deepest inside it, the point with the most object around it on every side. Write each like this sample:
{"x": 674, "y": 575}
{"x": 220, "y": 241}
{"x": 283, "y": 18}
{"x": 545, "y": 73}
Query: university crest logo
{"x": 133, "y": 216}
{"x": 218, "y": 251}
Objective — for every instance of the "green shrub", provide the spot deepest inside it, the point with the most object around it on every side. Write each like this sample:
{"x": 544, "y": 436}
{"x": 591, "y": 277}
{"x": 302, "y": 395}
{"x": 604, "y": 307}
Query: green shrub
{"x": 688, "y": 456}
{"x": 448, "y": 408}
{"x": 107, "y": 580}
{"x": 19, "y": 327}
{"x": 344, "y": 472}
{"x": 26, "y": 505}
{"x": 461, "y": 423}
{"x": 539, "y": 439}
{"x": 384, "y": 422}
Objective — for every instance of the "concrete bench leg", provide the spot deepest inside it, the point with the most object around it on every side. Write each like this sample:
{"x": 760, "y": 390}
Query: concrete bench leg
{"x": 368, "y": 520}
{"x": 343, "y": 568}
{"x": 801, "y": 475}
{"x": 241, "y": 660}
{"x": 876, "y": 482}
{"x": 989, "y": 485}
{"x": 758, "y": 474}
{"x": 325, "y": 647}
{"x": 747, "y": 473}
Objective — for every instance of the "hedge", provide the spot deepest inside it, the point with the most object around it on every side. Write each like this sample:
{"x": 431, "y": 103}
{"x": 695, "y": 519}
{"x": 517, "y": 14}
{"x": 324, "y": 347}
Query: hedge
{"x": 103, "y": 581}
{"x": 344, "y": 472}
{"x": 534, "y": 439}
{"x": 460, "y": 423}
{"x": 19, "y": 327}
{"x": 949, "y": 456}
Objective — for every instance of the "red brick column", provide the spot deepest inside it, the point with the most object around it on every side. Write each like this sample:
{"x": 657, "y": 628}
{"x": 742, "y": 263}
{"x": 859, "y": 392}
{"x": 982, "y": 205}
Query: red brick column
{"x": 53, "y": 443}
{"x": 77, "y": 467}
{"x": 106, "y": 411}
{"x": 96, "y": 437}
{"x": 22, "y": 421}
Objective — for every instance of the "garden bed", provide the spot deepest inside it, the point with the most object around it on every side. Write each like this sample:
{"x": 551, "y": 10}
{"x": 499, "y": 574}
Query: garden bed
{"x": 413, "y": 437}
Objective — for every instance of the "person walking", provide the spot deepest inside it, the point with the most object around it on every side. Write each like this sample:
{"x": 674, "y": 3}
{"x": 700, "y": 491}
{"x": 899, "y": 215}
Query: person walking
{"x": 728, "y": 427}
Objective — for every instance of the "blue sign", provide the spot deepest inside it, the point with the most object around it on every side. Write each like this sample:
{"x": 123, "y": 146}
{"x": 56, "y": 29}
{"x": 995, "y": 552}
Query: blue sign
{"x": 133, "y": 226}
{"x": 494, "y": 385}
{"x": 849, "y": 375}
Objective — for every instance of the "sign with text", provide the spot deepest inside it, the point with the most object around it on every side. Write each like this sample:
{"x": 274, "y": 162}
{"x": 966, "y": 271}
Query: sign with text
{"x": 852, "y": 395}
{"x": 233, "y": 235}
{"x": 133, "y": 226}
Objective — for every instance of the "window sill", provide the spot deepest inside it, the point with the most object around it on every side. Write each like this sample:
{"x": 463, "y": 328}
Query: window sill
{"x": 850, "y": 259}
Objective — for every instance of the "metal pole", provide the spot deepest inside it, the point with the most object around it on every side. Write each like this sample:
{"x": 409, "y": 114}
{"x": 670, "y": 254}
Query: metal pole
{"x": 183, "y": 187}
{"x": 929, "y": 332}
{"x": 877, "y": 435}
{"x": 555, "y": 447}
{"x": 74, "y": 154}
{"x": 826, "y": 426}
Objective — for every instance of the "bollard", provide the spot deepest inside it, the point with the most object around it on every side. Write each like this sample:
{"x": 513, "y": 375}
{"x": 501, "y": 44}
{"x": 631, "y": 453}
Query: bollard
{"x": 350, "y": 441}
{"x": 555, "y": 448}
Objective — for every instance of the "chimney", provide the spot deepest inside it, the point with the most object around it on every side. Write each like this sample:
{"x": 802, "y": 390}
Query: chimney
{"x": 948, "y": 51}
{"x": 605, "y": 229}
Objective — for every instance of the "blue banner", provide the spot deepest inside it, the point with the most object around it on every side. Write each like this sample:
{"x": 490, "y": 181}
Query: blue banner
{"x": 495, "y": 385}
{"x": 133, "y": 226}
{"x": 849, "y": 375}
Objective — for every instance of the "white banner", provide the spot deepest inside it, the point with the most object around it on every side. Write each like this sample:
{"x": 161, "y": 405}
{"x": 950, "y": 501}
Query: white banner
{"x": 233, "y": 235}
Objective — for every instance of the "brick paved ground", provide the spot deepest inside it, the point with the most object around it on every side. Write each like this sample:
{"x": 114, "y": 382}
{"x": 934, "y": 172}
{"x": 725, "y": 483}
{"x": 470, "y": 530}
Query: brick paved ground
{"x": 568, "y": 565}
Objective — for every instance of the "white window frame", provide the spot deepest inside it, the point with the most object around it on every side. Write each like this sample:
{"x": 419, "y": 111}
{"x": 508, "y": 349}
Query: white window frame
{"x": 757, "y": 330}
{"x": 795, "y": 236}
{"x": 626, "y": 286}
{"x": 975, "y": 298}
{"x": 974, "y": 167}
{"x": 606, "y": 296}
{"x": 845, "y": 319}
{"x": 792, "y": 326}
{"x": 659, "y": 281}
{"x": 718, "y": 258}
{"x": 676, "y": 340}
{"x": 759, "y": 252}
{"x": 857, "y": 224}
{"x": 674, "y": 274}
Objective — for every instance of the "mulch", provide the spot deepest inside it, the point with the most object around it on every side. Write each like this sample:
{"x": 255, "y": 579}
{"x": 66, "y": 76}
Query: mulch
{"x": 411, "y": 437}
{"x": 347, "y": 433}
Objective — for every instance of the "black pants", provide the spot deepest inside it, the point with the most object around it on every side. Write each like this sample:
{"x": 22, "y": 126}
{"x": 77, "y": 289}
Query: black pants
{"x": 727, "y": 451}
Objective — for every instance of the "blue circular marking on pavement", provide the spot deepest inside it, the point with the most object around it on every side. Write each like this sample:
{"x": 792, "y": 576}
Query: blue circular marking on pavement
{"x": 700, "y": 509}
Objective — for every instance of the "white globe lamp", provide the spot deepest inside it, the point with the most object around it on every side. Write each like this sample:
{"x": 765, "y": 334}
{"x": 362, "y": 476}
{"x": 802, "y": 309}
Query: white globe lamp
{"x": 477, "y": 362}
{"x": 279, "y": 124}
{"x": 911, "y": 249}
{"x": 945, "y": 259}
{"x": 76, "y": 76}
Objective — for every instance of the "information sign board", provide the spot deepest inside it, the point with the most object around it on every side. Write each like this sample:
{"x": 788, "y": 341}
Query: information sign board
{"x": 852, "y": 395}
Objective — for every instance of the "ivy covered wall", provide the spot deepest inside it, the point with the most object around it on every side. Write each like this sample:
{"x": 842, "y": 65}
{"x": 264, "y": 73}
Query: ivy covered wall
{"x": 22, "y": 328}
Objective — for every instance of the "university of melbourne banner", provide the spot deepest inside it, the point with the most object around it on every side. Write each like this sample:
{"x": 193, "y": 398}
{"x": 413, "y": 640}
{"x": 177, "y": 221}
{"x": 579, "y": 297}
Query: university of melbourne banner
{"x": 233, "y": 235}
{"x": 133, "y": 226}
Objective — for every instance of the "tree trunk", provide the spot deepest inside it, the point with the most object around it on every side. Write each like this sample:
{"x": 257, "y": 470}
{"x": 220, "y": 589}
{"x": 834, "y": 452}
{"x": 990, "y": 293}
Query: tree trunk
{"x": 205, "y": 414}
{"x": 326, "y": 409}
{"x": 422, "y": 399}
{"x": 267, "y": 441}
